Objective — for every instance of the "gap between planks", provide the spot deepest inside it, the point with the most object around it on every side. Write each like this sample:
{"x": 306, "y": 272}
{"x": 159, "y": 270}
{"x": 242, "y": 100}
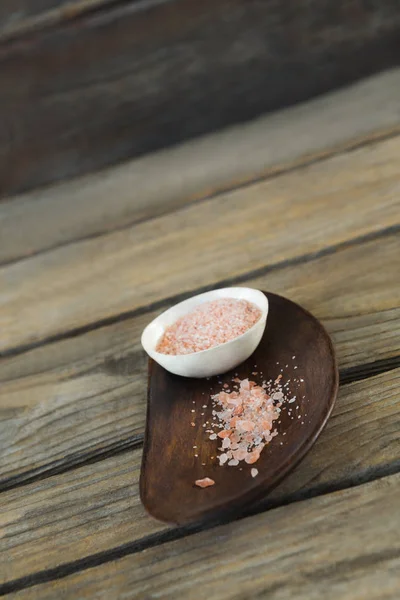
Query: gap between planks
{"x": 231, "y": 281}
{"x": 96, "y": 509}
{"x": 325, "y": 205}
{"x": 343, "y": 545}
{"x": 75, "y": 461}
{"x": 61, "y": 387}
{"x": 175, "y": 206}
{"x": 339, "y": 459}
{"x": 118, "y": 197}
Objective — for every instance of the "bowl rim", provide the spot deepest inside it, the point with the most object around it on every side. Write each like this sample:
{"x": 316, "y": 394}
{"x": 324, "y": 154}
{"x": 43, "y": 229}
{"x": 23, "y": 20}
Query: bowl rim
{"x": 263, "y": 317}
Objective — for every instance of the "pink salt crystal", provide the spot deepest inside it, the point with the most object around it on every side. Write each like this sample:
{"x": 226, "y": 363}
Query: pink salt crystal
{"x": 245, "y": 384}
{"x": 245, "y": 425}
{"x": 239, "y": 454}
{"x": 254, "y": 472}
{"x": 210, "y": 324}
{"x": 224, "y": 433}
{"x": 203, "y": 483}
{"x": 234, "y": 401}
{"x": 252, "y": 457}
{"x": 223, "y": 458}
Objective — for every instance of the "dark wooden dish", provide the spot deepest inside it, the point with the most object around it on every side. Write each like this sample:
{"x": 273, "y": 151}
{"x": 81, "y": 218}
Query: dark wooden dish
{"x": 169, "y": 467}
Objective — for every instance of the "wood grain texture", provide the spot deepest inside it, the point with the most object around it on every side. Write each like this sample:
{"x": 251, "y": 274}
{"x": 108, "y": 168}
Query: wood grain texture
{"x": 15, "y": 12}
{"x": 140, "y": 76}
{"x": 73, "y": 515}
{"x": 343, "y": 545}
{"x": 302, "y": 212}
{"x": 158, "y": 183}
{"x": 21, "y": 17}
{"x": 100, "y": 377}
{"x": 97, "y": 508}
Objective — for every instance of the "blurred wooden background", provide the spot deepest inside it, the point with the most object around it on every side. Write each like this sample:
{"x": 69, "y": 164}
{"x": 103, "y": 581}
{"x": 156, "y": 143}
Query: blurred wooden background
{"x": 88, "y": 83}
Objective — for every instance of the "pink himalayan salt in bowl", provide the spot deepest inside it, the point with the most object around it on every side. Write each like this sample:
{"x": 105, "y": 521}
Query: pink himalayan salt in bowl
{"x": 217, "y": 359}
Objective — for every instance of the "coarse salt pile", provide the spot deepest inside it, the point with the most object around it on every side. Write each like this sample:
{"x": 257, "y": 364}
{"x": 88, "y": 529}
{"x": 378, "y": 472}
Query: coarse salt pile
{"x": 210, "y": 324}
{"x": 245, "y": 419}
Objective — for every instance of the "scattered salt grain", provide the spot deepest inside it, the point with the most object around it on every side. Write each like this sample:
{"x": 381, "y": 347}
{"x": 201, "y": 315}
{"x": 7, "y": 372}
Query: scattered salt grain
{"x": 246, "y": 418}
{"x": 203, "y": 483}
{"x": 243, "y": 419}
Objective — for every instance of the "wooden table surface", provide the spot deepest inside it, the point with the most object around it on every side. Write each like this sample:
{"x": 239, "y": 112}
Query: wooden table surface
{"x": 304, "y": 203}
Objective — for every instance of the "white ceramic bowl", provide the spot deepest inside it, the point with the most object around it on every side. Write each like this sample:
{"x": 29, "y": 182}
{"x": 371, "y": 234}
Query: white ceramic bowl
{"x": 218, "y": 359}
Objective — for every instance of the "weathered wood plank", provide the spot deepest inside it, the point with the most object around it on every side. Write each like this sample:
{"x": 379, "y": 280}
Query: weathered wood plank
{"x": 50, "y": 394}
{"x": 73, "y": 515}
{"x": 140, "y": 76}
{"x": 302, "y": 212}
{"x": 15, "y": 12}
{"x": 160, "y": 182}
{"x": 19, "y": 17}
{"x": 340, "y": 545}
{"x": 97, "y": 508}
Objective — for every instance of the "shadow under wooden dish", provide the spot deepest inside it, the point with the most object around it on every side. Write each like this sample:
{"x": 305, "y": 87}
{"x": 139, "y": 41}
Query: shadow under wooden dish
{"x": 295, "y": 345}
